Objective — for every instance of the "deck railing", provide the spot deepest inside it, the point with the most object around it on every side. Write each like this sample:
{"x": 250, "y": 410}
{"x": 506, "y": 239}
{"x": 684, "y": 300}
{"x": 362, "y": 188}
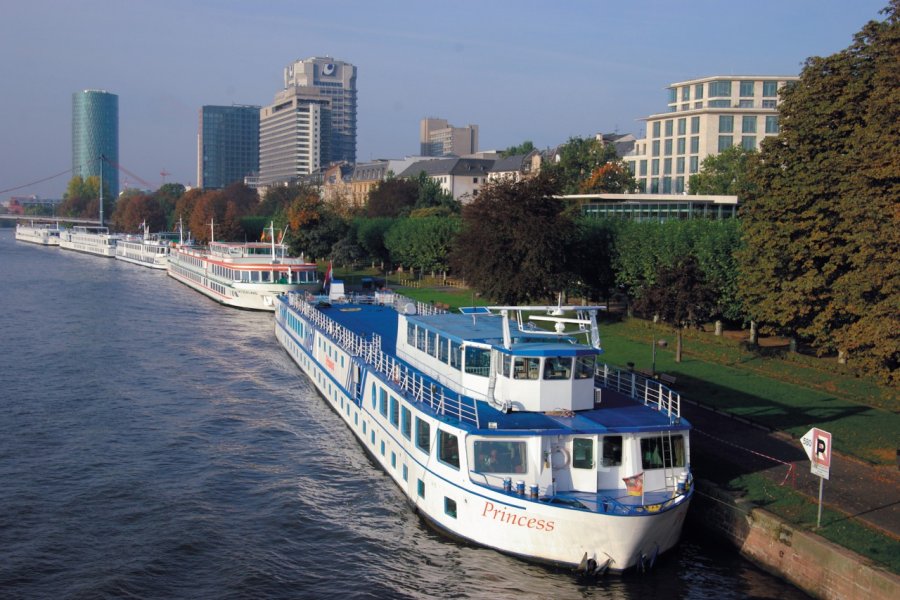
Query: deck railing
{"x": 399, "y": 374}
{"x": 640, "y": 388}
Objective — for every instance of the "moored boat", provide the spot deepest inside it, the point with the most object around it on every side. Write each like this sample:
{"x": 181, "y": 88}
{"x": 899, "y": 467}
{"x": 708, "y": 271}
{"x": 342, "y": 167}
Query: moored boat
{"x": 147, "y": 250}
{"x": 90, "y": 240}
{"x": 501, "y": 433}
{"x": 248, "y": 275}
{"x": 44, "y": 234}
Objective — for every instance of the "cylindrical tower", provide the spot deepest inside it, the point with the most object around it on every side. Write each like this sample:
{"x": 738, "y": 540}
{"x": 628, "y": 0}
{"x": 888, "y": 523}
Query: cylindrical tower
{"x": 95, "y": 133}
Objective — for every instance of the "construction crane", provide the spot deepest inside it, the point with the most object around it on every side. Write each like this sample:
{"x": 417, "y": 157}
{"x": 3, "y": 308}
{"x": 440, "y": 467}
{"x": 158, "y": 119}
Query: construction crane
{"x": 164, "y": 174}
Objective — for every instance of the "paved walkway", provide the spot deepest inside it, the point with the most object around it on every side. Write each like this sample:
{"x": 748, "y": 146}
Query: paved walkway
{"x": 859, "y": 490}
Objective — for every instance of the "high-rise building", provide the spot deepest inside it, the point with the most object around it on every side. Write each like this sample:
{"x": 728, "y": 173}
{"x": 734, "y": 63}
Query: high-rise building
{"x": 705, "y": 116}
{"x": 227, "y": 145}
{"x": 95, "y": 133}
{"x": 336, "y": 80}
{"x": 438, "y": 138}
{"x": 293, "y": 135}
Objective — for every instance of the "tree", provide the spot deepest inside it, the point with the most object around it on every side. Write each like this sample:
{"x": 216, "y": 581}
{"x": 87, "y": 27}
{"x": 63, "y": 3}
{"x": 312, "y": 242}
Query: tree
{"x": 523, "y": 148}
{"x": 724, "y": 174}
{"x": 590, "y": 257}
{"x": 392, "y": 198}
{"x": 513, "y": 241}
{"x": 134, "y": 208}
{"x": 578, "y": 159}
{"x": 680, "y": 297}
{"x": 422, "y": 243}
{"x": 370, "y": 234}
{"x": 432, "y": 195}
{"x": 609, "y": 178}
{"x": 822, "y": 235}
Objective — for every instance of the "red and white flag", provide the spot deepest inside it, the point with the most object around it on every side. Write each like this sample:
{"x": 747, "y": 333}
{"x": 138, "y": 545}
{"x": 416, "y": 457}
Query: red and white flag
{"x": 327, "y": 283}
{"x": 635, "y": 484}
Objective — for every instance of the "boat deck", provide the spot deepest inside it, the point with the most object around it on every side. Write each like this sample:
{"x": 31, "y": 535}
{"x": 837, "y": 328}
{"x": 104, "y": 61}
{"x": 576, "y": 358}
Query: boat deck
{"x": 616, "y": 412}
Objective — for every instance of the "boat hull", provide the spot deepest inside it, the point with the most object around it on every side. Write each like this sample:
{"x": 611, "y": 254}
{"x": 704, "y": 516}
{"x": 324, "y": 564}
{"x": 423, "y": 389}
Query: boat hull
{"x": 449, "y": 499}
{"x": 41, "y": 236}
{"x": 249, "y": 297}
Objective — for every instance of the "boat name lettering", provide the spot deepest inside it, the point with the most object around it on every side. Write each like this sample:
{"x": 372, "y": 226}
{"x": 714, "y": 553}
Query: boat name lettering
{"x": 329, "y": 363}
{"x": 504, "y": 516}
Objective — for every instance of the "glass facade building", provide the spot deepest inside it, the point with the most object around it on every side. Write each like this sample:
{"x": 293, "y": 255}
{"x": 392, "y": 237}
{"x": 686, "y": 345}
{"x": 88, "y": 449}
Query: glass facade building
{"x": 95, "y": 133}
{"x": 228, "y": 145}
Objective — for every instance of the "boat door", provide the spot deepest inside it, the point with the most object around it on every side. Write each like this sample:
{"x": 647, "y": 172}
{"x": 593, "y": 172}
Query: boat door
{"x": 584, "y": 464}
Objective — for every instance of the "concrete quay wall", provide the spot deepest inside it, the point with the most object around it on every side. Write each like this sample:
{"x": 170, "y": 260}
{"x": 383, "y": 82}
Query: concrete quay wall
{"x": 810, "y": 562}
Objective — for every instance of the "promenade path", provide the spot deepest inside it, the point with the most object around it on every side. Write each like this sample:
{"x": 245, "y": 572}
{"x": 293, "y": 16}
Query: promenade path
{"x": 861, "y": 491}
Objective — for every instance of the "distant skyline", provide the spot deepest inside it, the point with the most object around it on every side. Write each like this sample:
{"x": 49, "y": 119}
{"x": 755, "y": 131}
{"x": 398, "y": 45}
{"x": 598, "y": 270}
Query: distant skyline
{"x": 523, "y": 70}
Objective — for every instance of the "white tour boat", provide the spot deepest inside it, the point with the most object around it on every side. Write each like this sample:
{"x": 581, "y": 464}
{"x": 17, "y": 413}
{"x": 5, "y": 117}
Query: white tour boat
{"x": 500, "y": 433}
{"x": 45, "y": 234}
{"x": 90, "y": 240}
{"x": 147, "y": 250}
{"x": 244, "y": 275}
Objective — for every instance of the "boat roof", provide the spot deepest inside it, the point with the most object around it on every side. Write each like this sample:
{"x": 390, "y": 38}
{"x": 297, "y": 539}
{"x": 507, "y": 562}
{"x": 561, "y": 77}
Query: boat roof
{"x": 617, "y": 413}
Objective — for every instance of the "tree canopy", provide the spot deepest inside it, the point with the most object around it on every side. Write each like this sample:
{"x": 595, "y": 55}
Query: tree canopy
{"x": 822, "y": 234}
{"x": 578, "y": 159}
{"x": 724, "y": 174}
{"x": 523, "y": 148}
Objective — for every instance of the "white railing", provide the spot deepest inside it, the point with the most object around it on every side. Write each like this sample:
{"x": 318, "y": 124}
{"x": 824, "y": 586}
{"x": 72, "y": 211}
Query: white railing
{"x": 406, "y": 379}
{"x": 640, "y": 388}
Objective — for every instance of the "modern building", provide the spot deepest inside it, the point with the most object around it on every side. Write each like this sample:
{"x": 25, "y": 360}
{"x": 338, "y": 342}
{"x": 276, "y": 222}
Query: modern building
{"x": 462, "y": 178}
{"x": 293, "y": 136}
{"x": 438, "y": 138}
{"x": 227, "y": 145}
{"x": 95, "y": 133}
{"x": 705, "y": 116}
{"x": 335, "y": 80}
{"x": 656, "y": 207}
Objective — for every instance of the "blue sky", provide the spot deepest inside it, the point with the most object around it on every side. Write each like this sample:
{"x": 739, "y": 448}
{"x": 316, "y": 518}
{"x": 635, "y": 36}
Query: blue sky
{"x": 519, "y": 70}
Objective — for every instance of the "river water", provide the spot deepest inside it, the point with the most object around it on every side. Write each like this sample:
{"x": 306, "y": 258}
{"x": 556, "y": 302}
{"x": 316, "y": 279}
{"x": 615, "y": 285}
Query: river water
{"x": 154, "y": 444}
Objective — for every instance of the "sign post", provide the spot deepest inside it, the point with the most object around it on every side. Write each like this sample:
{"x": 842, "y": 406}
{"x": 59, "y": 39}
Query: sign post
{"x": 817, "y": 444}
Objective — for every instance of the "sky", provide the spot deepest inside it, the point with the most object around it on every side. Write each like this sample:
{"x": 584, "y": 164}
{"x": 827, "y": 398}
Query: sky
{"x": 520, "y": 70}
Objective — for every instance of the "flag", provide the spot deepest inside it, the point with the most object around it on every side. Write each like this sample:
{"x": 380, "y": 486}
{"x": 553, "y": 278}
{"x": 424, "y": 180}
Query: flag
{"x": 327, "y": 283}
{"x": 635, "y": 484}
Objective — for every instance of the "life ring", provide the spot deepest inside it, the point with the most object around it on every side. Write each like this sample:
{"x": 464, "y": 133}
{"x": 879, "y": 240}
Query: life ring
{"x": 566, "y": 458}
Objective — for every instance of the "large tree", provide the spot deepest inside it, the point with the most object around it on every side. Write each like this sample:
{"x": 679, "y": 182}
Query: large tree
{"x": 823, "y": 235}
{"x": 392, "y": 198}
{"x": 512, "y": 245}
{"x": 724, "y": 174}
{"x": 579, "y": 158}
{"x": 423, "y": 243}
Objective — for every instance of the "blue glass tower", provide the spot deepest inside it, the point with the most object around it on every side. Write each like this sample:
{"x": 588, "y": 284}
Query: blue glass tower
{"x": 229, "y": 145}
{"x": 95, "y": 133}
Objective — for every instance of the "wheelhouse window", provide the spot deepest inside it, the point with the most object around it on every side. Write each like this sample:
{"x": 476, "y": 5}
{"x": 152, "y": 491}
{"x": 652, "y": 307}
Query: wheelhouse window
{"x": 526, "y": 368}
{"x": 448, "y": 448}
{"x": 584, "y": 367}
{"x": 423, "y": 435}
{"x": 662, "y": 452}
{"x": 410, "y": 334}
{"x": 455, "y": 355}
{"x": 612, "y": 451}
{"x": 558, "y": 367}
{"x": 583, "y": 453}
{"x": 505, "y": 363}
{"x": 499, "y": 456}
{"x": 478, "y": 361}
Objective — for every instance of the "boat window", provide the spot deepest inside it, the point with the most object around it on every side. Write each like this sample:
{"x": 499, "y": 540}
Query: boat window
{"x": 448, "y": 448}
{"x": 583, "y": 453}
{"x": 395, "y": 411}
{"x": 442, "y": 349}
{"x": 410, "y": 334}
{"x": 557, "y": 367}
{"x": 478, "y": 361}
{"x": 423, "y": 435}
{"x": 662, "y": 452}
{"x": 499, "y": 457}
{"x": 507, "y": 361}
{"x": 406, "y": 422}
{"x": 373, "y": 392}
{"x": 267, "y": 276}
{"x": 612, "y": 451}
{"x": 382, "y": 402}
{"x": 584, "y": 367}
{"x": 455, "y": 355}
{"x": 526, "y": 368}
{"x": 432, "y": 343}
{"x": 420, "y": 339}
{"x": 245, "y": 276}
{"x": 254, "y": 276}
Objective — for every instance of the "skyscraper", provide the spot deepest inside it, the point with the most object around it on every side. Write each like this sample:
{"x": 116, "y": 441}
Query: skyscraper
{"x": 293, "y": 136}
{"x": 95, "y": 133}
{"x": 336, "y": 80}
{"x": 227, "y": 145}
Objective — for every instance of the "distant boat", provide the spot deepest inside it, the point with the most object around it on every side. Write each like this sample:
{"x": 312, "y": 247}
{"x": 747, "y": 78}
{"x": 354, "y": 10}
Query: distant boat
{"x": 246, "y": 275}
{"x": 44, "y": 234}
{"x": 90, "y": 240}
{"x": 501, "y": 433}
{"x": 147, "y": 250}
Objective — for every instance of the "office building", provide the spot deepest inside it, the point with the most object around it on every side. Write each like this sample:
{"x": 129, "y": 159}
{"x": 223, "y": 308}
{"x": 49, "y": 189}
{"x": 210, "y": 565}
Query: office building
{"x": 439, "y": 138}
{"x": 95, "y": 133}
{"x": 335, "y": 80}
{"x": 293, "y": 136}
{"x": 704, "y": 117}
{"x": 227, "y": 145}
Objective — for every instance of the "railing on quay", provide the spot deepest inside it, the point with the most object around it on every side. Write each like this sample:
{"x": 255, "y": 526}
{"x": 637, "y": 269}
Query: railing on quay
{"x": 407, "y": 380}
{"x": 641, "y": 388}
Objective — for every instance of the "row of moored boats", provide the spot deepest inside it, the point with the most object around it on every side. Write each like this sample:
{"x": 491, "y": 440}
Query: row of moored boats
{"x": 498, "y": 432}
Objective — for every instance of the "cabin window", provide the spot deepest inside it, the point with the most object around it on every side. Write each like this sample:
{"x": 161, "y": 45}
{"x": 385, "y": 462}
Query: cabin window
{"x": 505, "y": 364}
{"x": 432, "y": 343}
{"x": 254, "y": 276}
{"x": 266, "y": 276}
{"x": 423, "y": 435}
{"x": 406, "y": 422}
{"x": 499, "y": 457}
{"x": 455, "y": 355}
{"x": 583, "y": 453}
{"x": 584, "y": 367}
{"x": 448, "y": 448}
{"x": 245, "y": 276}
{"x": 478, "y": 361}
{"x": 526, "y": 368}
{"x": 382, "y": 402}
{"x": 443, "y": 353}
{"x": 612, "y": 451}
{"x": 420, "y": 339}
{"x": 449, "y": 507}
{"x": 557, "y": 367}
{"x": 662, "y": 452}
{"x": 373, "y": 395}
{"x": 411, "y": 334}
{"x": 420, "y": 488}
{"x": 395, "y": 412}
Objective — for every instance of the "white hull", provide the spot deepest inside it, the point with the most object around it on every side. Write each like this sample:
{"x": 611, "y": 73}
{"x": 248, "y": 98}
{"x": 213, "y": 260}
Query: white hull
{"x": 89, "y": 241}
{"x": 151, "y": 255}
{"x": 43, "y": 236}
{"x": 246, "y": 296}
{"x": 514, "y": 524}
